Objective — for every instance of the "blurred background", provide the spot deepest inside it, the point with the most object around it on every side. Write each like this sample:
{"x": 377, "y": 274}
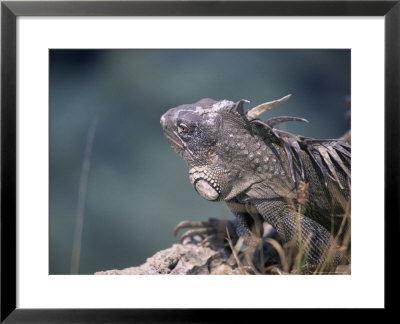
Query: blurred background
{"x": 117, "y": 189}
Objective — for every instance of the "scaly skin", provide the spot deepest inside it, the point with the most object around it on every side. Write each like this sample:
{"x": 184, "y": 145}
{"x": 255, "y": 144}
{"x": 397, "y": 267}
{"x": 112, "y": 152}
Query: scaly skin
{"x": 299, "y": 185}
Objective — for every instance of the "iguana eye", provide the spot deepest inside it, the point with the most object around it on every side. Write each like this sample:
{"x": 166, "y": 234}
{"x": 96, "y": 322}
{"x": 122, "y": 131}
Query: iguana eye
{"x": 182, "y": 128}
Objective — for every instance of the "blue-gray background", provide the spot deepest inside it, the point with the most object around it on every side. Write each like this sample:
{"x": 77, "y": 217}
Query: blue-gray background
{"x": 138, "y": 188}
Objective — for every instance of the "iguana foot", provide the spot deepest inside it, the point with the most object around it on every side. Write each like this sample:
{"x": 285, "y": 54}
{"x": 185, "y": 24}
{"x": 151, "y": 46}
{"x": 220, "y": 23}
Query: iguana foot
{"x": 211, "y": 232}
{"x": 264, "y": 257}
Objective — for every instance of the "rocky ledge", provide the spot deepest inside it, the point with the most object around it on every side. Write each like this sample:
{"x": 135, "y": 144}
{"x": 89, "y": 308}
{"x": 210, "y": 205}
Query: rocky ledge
{"x": 182, "y": 259}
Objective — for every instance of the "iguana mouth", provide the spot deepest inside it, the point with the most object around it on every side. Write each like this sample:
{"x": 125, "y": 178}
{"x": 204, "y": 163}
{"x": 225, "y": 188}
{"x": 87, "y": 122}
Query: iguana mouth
{"x": 174, "y": 141}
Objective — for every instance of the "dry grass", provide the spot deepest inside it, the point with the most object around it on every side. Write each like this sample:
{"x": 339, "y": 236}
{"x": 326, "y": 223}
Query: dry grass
{"x": 293, "y": 257}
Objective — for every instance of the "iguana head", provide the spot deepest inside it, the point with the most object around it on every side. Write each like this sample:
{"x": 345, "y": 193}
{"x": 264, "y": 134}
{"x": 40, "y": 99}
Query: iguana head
{"x": 220, "y": 144}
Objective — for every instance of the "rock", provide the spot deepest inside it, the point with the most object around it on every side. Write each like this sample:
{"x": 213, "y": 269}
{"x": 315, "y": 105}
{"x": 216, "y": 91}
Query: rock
{"x": 181, "y": 259}
{"x": 190, "y": 258}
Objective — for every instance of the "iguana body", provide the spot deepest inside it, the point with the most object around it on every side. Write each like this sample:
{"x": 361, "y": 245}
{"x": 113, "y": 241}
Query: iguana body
{"x": 299, "y": 185}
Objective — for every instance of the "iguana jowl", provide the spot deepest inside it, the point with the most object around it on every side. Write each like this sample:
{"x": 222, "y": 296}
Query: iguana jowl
{"x": 299, "y": 185}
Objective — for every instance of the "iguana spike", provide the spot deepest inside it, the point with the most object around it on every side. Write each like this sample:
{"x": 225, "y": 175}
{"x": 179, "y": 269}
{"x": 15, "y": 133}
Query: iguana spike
{"x": 239, "y": 106}
{"x": 337, "y": 159}
{"x": 296, "y": 149}
{"x": 290, "y": 160}
{"x": 325, "y": 157}
{"x": 260, "y": 109}
{"x": 310, "y": 150}
{"x": 266, "y": 126}
{"x": 281, "y": 119}
{"x": 342, "y": 150}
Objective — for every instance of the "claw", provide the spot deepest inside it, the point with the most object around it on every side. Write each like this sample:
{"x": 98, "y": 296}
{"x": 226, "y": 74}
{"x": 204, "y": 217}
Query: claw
{"x": 199, "y": 231}
{"x": 188, "y": 224}
{"x": 210, "y": 231}
{"x": 209, "y": 239}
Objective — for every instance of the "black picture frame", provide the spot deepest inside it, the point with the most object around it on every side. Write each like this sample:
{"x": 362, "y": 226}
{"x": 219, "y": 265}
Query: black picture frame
{"x": 10, "y": 10}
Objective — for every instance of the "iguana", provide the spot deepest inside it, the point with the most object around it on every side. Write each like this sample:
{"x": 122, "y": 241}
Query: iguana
{"x": 297, "y": 184}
